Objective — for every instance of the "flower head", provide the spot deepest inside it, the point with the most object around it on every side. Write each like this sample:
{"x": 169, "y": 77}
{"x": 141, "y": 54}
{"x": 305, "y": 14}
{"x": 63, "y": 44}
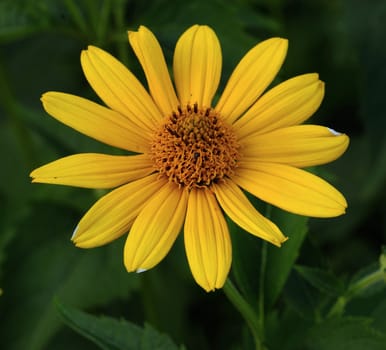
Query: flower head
{"x": 194, "y": 158}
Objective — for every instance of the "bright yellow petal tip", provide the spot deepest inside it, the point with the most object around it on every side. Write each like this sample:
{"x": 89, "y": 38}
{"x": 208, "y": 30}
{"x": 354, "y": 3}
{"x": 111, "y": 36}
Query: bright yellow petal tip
{"x": 149, "y": 53}
{"x": 251, "y": 77}
{"x": 93, "y": 170}
{"x": 155, "y": 229}
{"x": 236, "y": 205}
{"x": 289, "y": 103}
{"x": 300, "y": 146}
{"x": 291, "y": 189}
{"x": 207, "y": 241}
{"x": 197, "y": 66}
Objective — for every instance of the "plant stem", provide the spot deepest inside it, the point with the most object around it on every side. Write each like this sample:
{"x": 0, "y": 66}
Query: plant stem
{"x": 263, "y": 265}
{"x": 261, "y": 296}
{"x": 102, "y": 22}
{"x": 77, "y": 16}
{"x": 121, "y": 37}
{"x": 364, "y": 283}
{"x": 245, "y": 310}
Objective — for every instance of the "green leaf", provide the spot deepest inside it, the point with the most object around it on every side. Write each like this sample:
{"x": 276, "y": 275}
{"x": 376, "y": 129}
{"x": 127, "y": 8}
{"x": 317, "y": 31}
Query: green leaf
{"x": 112, "y": 334}
{"x": 107, "y": 332}
{"x": 152, "y": 339}
{"x": 246, "y": 249}
{"x": 43, "y": 264}
{"x": 322, "y": 280}
{"x": 22, "y": 18}
{"x": 310, "y": 291}
{"x": 281, "y": 260}
{"x": 369, "y": 280}
{"x": 379, "y": 316}
{"x": 365, "y": 284}
{"x": 301, "y": 297}
{"x": 345, "y": 334}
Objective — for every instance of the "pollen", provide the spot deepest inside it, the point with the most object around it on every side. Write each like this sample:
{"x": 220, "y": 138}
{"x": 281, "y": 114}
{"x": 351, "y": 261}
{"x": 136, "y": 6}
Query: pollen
{"x": 194, "y": 147}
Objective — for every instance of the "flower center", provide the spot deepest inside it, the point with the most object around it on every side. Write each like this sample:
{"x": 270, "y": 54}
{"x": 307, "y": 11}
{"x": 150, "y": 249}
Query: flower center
{"x": 194, "y": 148}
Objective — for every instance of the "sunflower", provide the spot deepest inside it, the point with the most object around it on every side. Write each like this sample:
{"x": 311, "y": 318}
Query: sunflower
{"x": 190, "y": 159}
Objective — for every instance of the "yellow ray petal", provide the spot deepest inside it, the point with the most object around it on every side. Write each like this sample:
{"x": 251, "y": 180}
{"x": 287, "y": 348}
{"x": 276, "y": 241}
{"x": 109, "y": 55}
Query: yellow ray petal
{"x": 112, "y": 215}
{"x": 251, "y": 77}
{"x": 156, "y": 228}
{"x": 299, "y": 146}
{"x": 149, "y": 53}
{"x": 291, "y": 189}
{"x": 237, "y": 206}
{"x": 93, "y": 170}
{"x": 197, "y": 66}
{"x": 119, "y": 88}
{"x": 207, "y": 241}
{"x": 96, "y": 121}
{"x": 288, "y": 103}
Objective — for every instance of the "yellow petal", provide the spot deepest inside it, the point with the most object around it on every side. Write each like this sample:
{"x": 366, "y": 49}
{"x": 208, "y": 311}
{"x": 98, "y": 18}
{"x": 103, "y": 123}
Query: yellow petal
{"x": 251, "y": 77}
{"x": 237, "y": 206}
{"x": 207, "y": 241}
{"x": 113, "y": 214}
{"x": 156, "y": 228}
{"x": 289, "y": 103}
{"x": 93, "y": 170}
{"x": 149, "y": 53}
{"x": 299, "y": 146}
{"x": 119, "y": 88}
{"x": 291, "y": 189}
{"x": 96, "y": 121}
{"x": 197, "y": 66}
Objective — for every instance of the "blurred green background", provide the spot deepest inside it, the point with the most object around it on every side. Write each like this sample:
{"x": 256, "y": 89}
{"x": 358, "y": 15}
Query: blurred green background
{"x": 40, "y": 44}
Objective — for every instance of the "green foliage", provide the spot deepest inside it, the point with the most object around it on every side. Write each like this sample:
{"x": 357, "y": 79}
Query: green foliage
{"x": 47, "y": 266}
{"x": 280, "y": 261}
{"x": 345, "y": 333}
{"x": 323, "y": 289}
{"x": 322, "y": 280}
{"x": 113, "y": 334}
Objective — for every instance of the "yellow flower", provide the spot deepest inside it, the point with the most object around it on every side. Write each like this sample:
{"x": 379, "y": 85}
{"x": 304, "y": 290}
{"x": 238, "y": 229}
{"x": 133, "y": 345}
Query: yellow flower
{"x": 192, "y": 156}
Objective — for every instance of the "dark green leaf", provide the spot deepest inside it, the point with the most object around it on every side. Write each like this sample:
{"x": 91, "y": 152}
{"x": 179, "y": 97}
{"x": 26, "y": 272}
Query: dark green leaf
{"x": 302, "y": 297}
{"x": 113, "y": 334}
{"x": 152, "y": 339}
{"x": 246, "y": 266}
{"x": 246, "y": 258}
{"x": 322, "y": 280}
{"x": 21, "y": 18}
{"x": 281, "y": 260}
{"x": 379, "y": 316}
{"x": 345, "y": 334}
{"x": 45, "y": 264}
{"x": 369, "y": 280}
{"x": 107, "y": 332}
